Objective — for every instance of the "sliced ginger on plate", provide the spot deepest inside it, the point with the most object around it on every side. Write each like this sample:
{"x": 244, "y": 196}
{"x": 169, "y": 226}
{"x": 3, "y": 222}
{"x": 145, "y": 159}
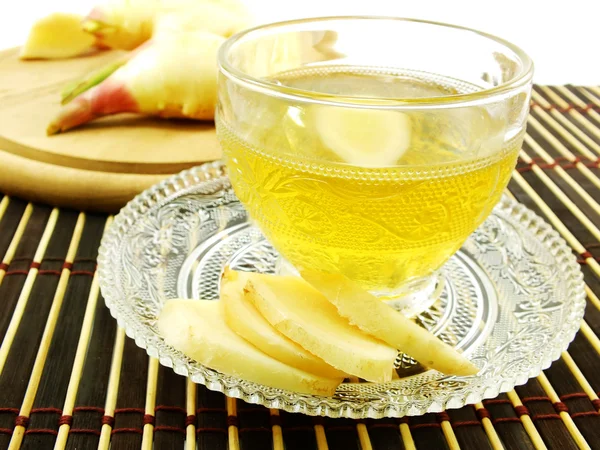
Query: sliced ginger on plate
{"x": 243, "y": 318}
{"x": 304, "y": 315}
{"x": 198, "y": 329}
{"x": 378, "y": 319}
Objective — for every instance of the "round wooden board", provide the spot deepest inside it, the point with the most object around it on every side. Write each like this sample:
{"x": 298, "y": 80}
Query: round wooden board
{"x": 99, "y": 166}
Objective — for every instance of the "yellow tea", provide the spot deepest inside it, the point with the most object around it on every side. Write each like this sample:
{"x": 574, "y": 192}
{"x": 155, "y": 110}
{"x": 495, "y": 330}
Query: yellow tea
{"x": 381, "y": 196}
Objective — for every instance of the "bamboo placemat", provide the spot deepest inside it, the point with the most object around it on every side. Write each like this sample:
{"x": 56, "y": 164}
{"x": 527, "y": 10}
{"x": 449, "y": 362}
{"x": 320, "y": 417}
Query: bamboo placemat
{"x": 70, "y": 379}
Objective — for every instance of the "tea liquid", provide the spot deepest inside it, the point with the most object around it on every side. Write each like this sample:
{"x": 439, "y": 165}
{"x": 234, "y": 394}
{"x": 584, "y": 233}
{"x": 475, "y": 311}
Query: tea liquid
{"x": 382, "y": 196}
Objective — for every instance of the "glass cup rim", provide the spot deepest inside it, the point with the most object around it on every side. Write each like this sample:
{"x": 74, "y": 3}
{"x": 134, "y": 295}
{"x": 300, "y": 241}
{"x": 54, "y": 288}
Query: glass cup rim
{"x": 494, "y": 93}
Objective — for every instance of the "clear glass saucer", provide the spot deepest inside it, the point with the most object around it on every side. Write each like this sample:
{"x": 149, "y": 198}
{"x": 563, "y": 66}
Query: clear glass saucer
{"x": 513, "y": 299}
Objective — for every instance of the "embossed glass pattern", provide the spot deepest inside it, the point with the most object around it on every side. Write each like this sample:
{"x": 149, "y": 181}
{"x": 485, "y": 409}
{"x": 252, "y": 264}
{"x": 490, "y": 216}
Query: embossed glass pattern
{"x": 513, "y": 301}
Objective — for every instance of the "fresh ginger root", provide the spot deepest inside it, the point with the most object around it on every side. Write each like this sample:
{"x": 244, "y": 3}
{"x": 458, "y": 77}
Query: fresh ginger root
{"x": 171, "y": 76}
{"x": 171, "y": 71}
{"x": 76, "y": 88}
{"x": 210, "y": 17}
{"x": 58, "y": 35}
{"x": 125, "y": 24}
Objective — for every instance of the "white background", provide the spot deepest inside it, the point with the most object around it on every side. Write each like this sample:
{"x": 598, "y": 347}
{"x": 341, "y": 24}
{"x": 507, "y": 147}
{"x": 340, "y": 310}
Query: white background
{"x": 562, "y": 37}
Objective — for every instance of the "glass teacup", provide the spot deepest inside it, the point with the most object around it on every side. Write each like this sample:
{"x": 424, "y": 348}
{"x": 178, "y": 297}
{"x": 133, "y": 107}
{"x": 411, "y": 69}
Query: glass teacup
{"x": 371, "y": 146}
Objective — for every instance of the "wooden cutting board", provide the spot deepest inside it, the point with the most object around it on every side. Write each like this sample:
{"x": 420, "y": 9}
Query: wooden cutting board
{"x": 99, "y": 166}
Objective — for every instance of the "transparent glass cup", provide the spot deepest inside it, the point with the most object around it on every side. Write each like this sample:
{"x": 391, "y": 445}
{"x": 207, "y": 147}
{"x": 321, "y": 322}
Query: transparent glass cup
{"x": 371, "y": 146}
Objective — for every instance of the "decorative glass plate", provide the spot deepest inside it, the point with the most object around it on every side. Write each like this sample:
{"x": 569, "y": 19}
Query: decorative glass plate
{"x": 513, "y": 300}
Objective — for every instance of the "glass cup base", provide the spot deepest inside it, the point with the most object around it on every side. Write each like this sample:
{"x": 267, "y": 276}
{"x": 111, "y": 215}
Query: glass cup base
{"x": 411, "y": 299}
{"x": 415, "y": 296}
